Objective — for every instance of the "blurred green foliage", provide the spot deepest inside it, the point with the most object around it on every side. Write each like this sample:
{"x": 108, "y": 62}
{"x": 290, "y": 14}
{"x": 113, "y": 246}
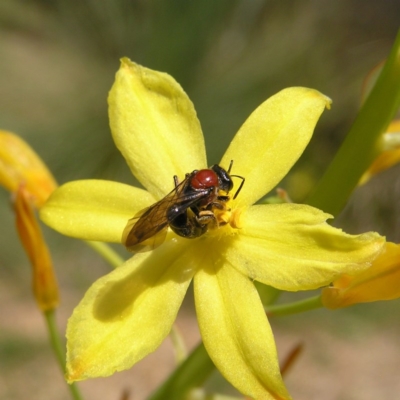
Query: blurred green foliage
{"x": 58, "y": 60}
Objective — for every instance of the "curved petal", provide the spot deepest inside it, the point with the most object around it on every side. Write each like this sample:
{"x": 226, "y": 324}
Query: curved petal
{"x": 291, "y": 247}
{"x": 236, "y": 332}
{"x": 155, "y": 126}
{"x": 379, "y": 282}
{"x": 272, "y": 139}
{"x": 127, "y": 314}
{"x": 94, "y": 209}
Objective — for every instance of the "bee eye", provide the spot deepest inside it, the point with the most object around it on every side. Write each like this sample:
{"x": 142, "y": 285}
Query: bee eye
{"x": 204, "y": 179}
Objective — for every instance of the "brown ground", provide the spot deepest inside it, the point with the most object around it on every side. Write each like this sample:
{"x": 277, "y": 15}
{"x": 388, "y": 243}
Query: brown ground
{"x": 348, "y": 355}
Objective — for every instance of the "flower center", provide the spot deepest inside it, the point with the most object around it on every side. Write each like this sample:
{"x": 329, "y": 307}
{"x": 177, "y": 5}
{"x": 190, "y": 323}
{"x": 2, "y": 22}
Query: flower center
{"x": 226, "y": 217}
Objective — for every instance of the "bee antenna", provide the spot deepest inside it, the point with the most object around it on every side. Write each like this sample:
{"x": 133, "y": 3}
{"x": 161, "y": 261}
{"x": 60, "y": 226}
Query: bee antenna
{"x": 240, "y": 187}
{"x": 230, "y": 167}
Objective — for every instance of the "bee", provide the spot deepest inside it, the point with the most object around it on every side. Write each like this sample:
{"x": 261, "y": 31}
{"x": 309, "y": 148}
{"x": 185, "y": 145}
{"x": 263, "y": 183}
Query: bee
{"x": 188, "y": 209}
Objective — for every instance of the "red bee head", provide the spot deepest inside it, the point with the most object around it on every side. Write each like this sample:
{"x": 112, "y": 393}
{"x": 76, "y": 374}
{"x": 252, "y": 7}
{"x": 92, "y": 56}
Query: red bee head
{"x": 204, "y": 179}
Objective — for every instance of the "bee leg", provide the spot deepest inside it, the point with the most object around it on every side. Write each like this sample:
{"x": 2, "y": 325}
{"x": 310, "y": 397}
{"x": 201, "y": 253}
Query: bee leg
{"x": 223, "y": 198}
{"x": 176, "y": 180}
{"x": 188, "y": 226}
{"x": 207, "y": 217}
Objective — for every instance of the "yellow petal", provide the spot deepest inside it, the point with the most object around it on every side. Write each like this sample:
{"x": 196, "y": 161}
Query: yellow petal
{"x": 94, "y": 209}
{"x": 236, "y": 332}
{"x": 379, "y": 282}
{"x": 127, "y": 314}
{"x": 390, "y": 154}
{"x": 19, "y": 164}
{"x": 291, "y": 247}
{"x": 154, "y": 125}
{"x": 44, "y": 282}
{"x": 272, "y": 139}
{"x": 384, "y": 161}
{"x": 391, "y": 136}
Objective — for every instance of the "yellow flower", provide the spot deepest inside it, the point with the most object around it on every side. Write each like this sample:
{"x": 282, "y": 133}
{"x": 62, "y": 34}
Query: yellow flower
{"x": 23, "y": 173}
{"x": 127, "y": 314}
{"x": 19, "y": 164}
{"x": 44, "y": 282}
{"x": 379, "y": 282}
{"x": 390, "y": 154}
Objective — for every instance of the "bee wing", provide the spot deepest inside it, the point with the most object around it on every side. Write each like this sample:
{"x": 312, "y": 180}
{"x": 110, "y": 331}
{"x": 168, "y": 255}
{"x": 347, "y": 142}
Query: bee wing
{"x": 147, "y": 229}
{"x": 143, "y": 237}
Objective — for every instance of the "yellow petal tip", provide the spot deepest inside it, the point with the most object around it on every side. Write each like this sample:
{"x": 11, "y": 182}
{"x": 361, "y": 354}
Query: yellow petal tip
{"x": 327, "y": 100}
{"x": 126, "y": 62}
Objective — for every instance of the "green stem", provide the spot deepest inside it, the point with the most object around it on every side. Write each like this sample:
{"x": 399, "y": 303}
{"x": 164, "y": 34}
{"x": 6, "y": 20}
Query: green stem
{"x": 198, "y": 366}
{"x": 178, "y": 344}
{"x": 361, "y": 145}
{"x": 294, "y": 308}
{"x": 190, "y": 374}
{"x": 114, "y": 259}
{"x": 59, "y": 349}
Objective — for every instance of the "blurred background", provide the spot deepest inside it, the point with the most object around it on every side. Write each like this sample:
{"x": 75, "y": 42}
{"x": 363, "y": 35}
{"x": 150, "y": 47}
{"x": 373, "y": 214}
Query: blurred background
{"x": 57, "y": 63}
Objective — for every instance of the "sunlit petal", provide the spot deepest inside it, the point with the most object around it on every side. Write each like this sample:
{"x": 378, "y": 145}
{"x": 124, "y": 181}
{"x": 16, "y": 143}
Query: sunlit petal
{"x": 155, "y": 126}
{"x": 379, "y": 282}
{"x": 127, "y": 314}
{"x": 272, "y": 139}
{"x": 236, "y": 332}
{"x": 94, "y": 209}
{"x": 291, "y": 247}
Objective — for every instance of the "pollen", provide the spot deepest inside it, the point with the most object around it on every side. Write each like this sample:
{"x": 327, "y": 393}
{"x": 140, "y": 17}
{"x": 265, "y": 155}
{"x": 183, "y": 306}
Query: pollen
{"x": 235, "y": 221}
{"x": 228, "y": 217}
